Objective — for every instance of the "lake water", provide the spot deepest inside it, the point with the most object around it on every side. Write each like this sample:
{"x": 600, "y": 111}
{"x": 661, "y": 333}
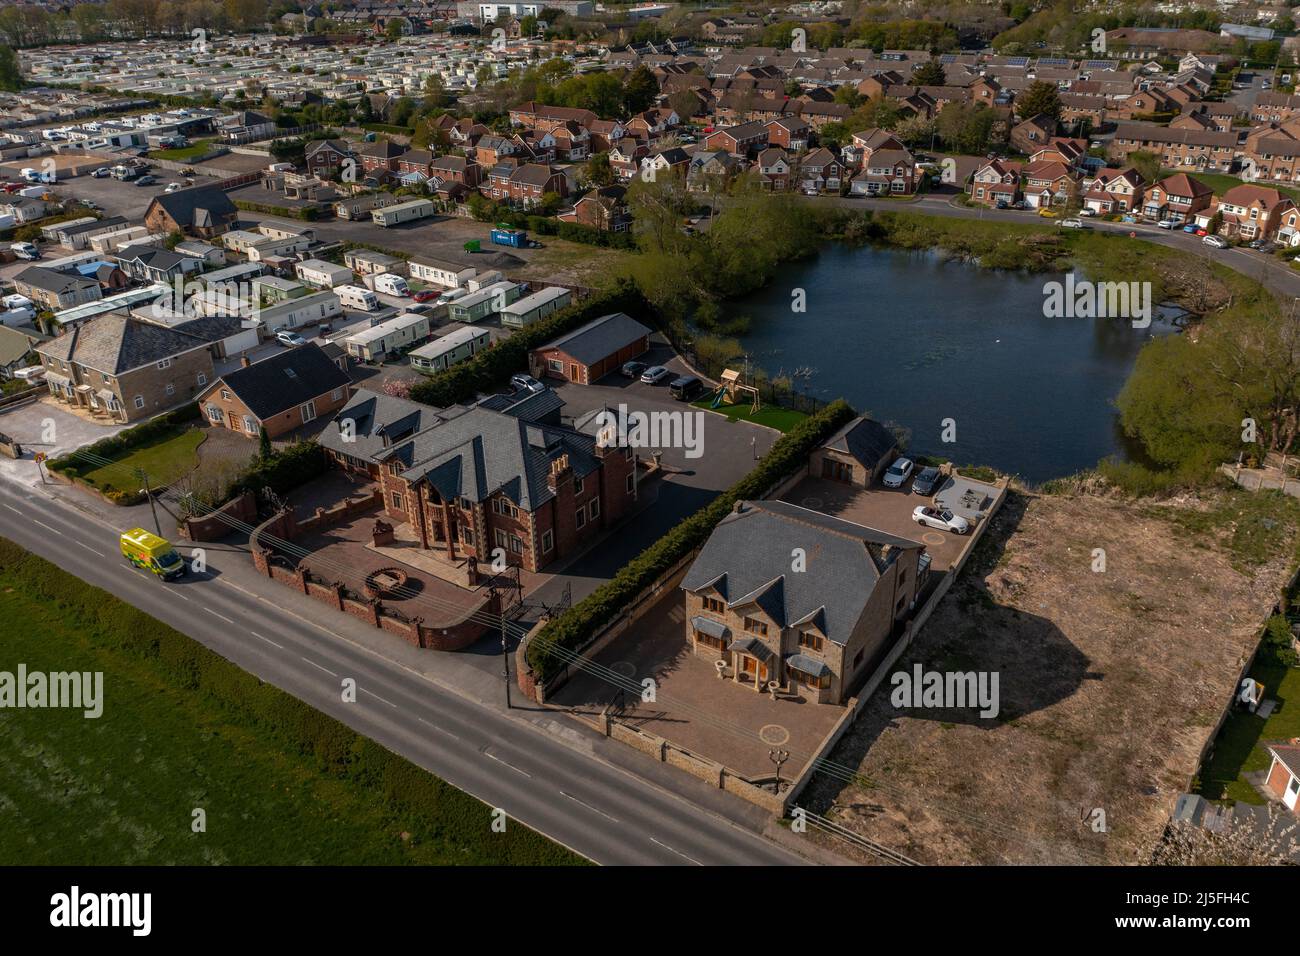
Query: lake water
{"x": 912, "y": 338}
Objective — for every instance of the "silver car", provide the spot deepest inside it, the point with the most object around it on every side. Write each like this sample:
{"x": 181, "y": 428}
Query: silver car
{"x": 898, "y": 473}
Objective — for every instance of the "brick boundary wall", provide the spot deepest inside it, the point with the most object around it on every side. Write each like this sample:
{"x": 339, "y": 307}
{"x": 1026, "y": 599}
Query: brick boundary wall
{"x": 217, "y": 523}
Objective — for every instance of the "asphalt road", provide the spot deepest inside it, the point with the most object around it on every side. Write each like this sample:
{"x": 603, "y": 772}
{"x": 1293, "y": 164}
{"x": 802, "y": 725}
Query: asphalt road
{"x": 591, "y": 806}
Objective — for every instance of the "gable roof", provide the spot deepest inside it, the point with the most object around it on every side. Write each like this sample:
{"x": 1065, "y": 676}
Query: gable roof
{"x": 865, "y": 440}
{"x": 115, "y": 342}
{"x": 747, "y": 560}
{"x": 599, "y": 338}
{"x": 198, "y": 206}
{"x": 285, "y": 380}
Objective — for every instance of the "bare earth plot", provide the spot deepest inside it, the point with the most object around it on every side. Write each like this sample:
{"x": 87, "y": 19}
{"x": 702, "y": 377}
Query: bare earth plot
{"x": 1110, "y": 684}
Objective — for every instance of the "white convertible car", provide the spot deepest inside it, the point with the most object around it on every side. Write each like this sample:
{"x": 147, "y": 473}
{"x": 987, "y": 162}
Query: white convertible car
{"x": 943, "y": 520}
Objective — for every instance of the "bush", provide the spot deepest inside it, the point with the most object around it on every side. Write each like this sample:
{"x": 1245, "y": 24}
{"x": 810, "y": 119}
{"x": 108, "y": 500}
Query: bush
{"x": 282, "y": 470}
{"x": 576, "y": 627}
{"x": 75, "y": 463}
{"x": 1276, "y": 649}
{"x": 490, "y": 369}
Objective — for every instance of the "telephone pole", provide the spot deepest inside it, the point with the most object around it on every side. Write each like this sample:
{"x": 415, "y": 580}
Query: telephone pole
{"x": 505, "y": 649}
{"x": 141, "y": 474}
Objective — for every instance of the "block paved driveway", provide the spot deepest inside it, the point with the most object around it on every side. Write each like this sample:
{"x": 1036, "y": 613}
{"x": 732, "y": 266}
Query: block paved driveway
{"x": 27, "y": 424}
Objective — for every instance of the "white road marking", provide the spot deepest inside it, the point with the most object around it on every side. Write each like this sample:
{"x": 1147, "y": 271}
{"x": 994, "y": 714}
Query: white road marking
{"x": 588, "y": 806}
{"x": 267, "y": 639}
{"x": 47, "y": 527}
{"x": 320, "y": 667}
{"x": 678, "y": 852}
{"x": 377, "y": 697}
{"x": 218, "y": 616}
{"x": 88, "y": 548}
{"x": 504, "y": 763}
{"x": 441, "y": 730}
{"x": 13, "y": 509}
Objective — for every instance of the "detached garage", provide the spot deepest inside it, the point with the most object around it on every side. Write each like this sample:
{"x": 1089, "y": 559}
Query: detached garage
{"x": 857, "y": 454}
{"x": 590, "y": 353}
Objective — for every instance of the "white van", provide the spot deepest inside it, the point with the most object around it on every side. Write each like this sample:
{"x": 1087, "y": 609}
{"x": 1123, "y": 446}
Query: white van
{"x": 280, "y": 168}
{"x": 16, "y": 301}
{"x": 37, "y": 176}
{"x": 357, "y": 297}
{"x": 25, "y": 250}
{"x": 32, "y": 373}
{"x": 392, "y": 284}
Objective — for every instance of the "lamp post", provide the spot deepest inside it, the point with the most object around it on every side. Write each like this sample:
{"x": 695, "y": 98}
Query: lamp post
{"x": 778, "y": 757}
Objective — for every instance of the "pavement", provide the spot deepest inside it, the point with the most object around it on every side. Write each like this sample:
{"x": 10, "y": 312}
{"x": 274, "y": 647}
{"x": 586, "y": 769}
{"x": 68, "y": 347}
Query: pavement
{"x": 445, "y": 712}
{"x": 45, "y": 426}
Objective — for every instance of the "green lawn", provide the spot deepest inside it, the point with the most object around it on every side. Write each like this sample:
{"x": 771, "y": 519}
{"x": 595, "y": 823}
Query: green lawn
{"x": 195, "y": 149}
{"x": 1237, "y": 749}
{"x": 164, "y": 460}
{"x": 782, "y": 419}
{"x": 181, "y": 729}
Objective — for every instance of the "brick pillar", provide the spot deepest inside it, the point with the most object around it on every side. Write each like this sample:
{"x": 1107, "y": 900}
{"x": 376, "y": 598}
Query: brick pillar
{"x": 301, "y": 573}
{"x": 560, "y": 481}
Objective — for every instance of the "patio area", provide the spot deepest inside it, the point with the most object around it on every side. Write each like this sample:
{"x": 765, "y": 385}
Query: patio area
{"x": 696, "y": 710}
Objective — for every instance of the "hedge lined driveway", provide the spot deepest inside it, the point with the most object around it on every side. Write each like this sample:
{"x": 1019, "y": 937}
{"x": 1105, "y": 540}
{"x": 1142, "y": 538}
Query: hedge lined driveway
{"x": 26, "y": 424}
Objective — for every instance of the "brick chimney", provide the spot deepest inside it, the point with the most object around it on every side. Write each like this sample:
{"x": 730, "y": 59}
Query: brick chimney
{"x": 559, "y": 471}
{"x": 244, "y": 361}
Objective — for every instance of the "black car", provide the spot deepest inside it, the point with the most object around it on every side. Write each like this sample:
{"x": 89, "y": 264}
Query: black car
{"x": 926, "y": 480}
{"x": 634, "y": 369}
{"x": 685, "y": 388}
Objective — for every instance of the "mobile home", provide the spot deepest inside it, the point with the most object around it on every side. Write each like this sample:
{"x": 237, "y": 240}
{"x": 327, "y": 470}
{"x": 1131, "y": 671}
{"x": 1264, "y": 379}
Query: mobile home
{"x": 392, "y": 335}
{"x": 483, "y": 304}
{"x": 357, "y": 297}
{"x": 322, "y": 274}
{"x": 403, "y": 212}
{"x": 536, "y": 306}
{"x": 451, "y": 348}
{"x": 440, "y": 272}
{"x": 295, "y": 313}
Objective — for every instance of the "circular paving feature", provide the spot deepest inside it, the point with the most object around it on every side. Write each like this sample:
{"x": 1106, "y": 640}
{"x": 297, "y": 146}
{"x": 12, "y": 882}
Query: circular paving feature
{"x": 773, "y": 734}
{"x": 933, "y": 537}
{"x": 626, "y": 668}
{"x": 385, "y": 582}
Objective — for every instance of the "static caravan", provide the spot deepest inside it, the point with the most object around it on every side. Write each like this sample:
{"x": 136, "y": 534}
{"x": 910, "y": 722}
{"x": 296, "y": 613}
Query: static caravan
{"x": 403, "y": 212}
{"x": 451, "y": 275}
{"x": 447, "y": 351}
{"x": 269, "y": 248}
{"x": 483, "y": 280}
{"x": 273, "y": 229}
{"x": 322, "y": 274}
{"x": 392, "y": 335}
{"x": 366, "y": 262}
{"x": 536, "y": 306}
{"x": 357, "y": 297}
{"x": 295, "y": 313}
{"x": 480, "y": 305}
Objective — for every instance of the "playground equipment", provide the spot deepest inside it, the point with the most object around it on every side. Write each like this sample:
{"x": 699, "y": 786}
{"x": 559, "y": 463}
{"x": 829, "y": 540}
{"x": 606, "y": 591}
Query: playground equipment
{"x": 732, "y": 388}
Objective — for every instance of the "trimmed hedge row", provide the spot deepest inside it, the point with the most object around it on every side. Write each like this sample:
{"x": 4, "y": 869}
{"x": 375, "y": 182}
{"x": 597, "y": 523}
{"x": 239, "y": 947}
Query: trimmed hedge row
{"x": 571, "y": 231}
{"x": 577, "y": 626}
{"x": 74, "y": 464}
{"x": 491, "y": 368}
{"x": 285, "y": 469}
{"x": 442, "y": 812}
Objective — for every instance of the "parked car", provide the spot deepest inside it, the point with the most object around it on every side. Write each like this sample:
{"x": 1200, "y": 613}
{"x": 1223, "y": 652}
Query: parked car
{"x": 685, "y": 388}
{"x": 290, "y": 339}
{"x": 1072, "y": 224}
{"x": 173, "y": 188}
{"x": 926, "y": 480}
{"x": 1167, "y": 224}
{"x": 25, "y": 250}
{"x": 100, "y": 173}
{"x": 1020, "y": 204}
{"x": 1086, "y": 211}
{"x": 633, "y": 369}
{"x": 426, "y": 295}
{"x": 146, "y": 180}
{"x": 525, "y": 383}
{"x": 1002, "y": 204}
{"x": 898, "y": 472}
{"x": 1048, "y": 213}
{"x": 1190, "y": 227}
{"x": 655, "y": 374}
{"x": 1218, "y": 242}
{"x": 943, "y": 520}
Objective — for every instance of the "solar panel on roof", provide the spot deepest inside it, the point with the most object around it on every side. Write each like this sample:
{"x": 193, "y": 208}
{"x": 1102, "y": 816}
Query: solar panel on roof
{"x": 1053, "y": 61}
{"x": 1098, "y": 65}
{"x": 948, "y": 58}
{"x": 1017, "y": 61}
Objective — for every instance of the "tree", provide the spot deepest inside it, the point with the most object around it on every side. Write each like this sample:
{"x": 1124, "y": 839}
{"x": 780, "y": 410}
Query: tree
{"x": 263, "y": 443}
{"x": 1147, "y": 165}
{"x": 966, "y": 127}
{"x": 929, "y": 73}
{"x": 598, "y": 171}
{"x": 11, "y": 78}
{"x": 640, "y": 91}
{"x": 685, "y": 103}
{"x": 1039, "y": 98}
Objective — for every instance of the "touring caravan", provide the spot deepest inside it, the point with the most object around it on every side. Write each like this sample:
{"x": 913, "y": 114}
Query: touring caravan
{"x": 357, "y": 297}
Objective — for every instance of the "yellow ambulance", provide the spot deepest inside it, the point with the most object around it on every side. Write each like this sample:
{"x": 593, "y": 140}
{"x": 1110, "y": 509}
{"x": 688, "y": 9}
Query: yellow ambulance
{"x": 155, "y": 554}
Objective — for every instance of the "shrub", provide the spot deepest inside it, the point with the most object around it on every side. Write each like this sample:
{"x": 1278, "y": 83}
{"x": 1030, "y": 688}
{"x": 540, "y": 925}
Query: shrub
{"x": 282, "y": 470}
{"x": 576, "y": 627}
{"x": 489, "y": 369}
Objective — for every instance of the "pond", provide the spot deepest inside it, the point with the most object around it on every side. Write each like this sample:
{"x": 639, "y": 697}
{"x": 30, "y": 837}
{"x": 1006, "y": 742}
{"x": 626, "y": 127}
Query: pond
{"x": 915, "y": 338}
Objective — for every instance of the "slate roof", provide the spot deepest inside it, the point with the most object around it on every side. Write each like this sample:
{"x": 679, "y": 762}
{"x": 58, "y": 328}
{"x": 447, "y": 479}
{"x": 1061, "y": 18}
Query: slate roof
{"x": 480, "y": 452}
{"x": 599, "y": 338}
{"x": 285, "y": 380}
{"x": 375, "y": 415}
{"x": 197, "y": 206}
{"x": 114, "y": 343}
{"x": 747, "y": 560}
{"x": 50, "y": 280}
{"x": 865, "y": 440}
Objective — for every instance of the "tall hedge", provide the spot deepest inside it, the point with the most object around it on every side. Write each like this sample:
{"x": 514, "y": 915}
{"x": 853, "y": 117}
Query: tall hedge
{"x": 283, "y": 470}
{"x": 577, "y": 626}
{"x": 492, "y": 368}
{"x": 438, "y": 810}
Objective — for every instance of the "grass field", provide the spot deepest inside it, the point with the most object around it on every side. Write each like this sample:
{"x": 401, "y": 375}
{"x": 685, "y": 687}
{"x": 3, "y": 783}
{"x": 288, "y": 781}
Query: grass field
{"x": 123, "y": 788}
{"x": 197, "y": 148}
{"x": 164, "y": 460}
{"x": 782, "y": 419}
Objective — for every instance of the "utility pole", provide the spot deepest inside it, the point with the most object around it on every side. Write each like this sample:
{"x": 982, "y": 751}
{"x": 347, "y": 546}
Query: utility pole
{"x": 141, "y": 474}
{"x": 505, "y": 652}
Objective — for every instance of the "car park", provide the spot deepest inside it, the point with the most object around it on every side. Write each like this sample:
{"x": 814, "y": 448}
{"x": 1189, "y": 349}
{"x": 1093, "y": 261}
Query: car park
{"x": 938, "y": 518}
{"x": 926, "y": 480}
{"x": 290, "y": 339}
{"x": 898, "y": 473}
{"x": 655, "y": 374}
{"x": 1218, "y": 242}
{"x": 633, "y": 369}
